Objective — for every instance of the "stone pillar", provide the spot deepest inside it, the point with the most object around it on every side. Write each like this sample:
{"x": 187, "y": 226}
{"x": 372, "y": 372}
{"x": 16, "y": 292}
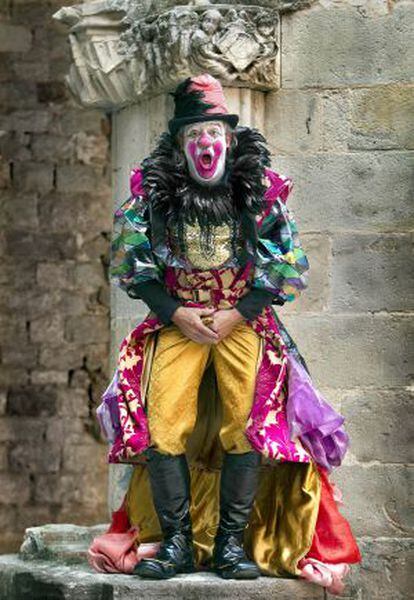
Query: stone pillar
{"x": 127, "y": 56}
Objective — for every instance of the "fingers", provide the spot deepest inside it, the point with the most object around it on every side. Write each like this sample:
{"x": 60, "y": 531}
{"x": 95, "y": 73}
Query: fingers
{"x": 206, "y": 332}
{"x": 205, "y": 311}
{"x": 200, "y": 338}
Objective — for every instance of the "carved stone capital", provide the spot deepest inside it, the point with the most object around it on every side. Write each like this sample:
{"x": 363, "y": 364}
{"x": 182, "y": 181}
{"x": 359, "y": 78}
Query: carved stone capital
{"x": 126, "y": 50}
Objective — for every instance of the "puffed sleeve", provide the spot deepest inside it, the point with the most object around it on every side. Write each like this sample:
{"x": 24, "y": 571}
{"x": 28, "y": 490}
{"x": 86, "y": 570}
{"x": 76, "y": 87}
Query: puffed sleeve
{"x": 281, "y": 264}
{"x": 132, "y": 259}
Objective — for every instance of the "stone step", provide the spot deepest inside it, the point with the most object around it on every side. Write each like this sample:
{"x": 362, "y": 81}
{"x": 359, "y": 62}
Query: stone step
{"x": 49, "y": 580}
{"x": 63, "y": 542}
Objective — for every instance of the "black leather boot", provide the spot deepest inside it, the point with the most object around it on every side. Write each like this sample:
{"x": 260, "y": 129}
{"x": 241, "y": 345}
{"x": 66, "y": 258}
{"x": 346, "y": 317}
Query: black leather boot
{"x": 170, "y": 485}
{"x": 239, "y": 481}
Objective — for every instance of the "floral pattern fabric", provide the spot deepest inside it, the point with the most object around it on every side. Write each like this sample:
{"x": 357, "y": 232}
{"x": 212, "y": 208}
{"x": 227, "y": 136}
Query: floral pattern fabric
{"x": 267, "y": 428}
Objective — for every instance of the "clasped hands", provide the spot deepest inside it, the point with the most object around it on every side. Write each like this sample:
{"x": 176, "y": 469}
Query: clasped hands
{"x": 189, "y": 321}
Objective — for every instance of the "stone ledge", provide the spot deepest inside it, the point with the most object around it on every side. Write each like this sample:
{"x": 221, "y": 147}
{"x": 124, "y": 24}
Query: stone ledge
{"x": 41, "y": 580}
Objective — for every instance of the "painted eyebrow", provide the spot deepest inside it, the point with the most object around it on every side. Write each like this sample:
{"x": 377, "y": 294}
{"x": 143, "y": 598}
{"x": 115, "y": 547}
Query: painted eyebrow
{"x": 213, "y": 125}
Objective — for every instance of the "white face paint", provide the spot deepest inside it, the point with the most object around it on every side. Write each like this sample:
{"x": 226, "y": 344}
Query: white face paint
{"x": 205, "y": 147}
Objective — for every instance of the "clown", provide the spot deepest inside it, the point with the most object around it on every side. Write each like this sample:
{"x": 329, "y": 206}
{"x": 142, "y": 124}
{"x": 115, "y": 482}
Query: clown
{"x": 211, "y": 399}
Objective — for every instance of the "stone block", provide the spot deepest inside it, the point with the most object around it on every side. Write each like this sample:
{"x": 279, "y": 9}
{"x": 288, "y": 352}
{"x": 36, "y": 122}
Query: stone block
{"x": 73, "y": 303}
{"x": 15, "y": 356}
{"x": 104, "y": 296}
{"x": 79, "y": 178}
{"x": 354, "y": 350}
{"x": 31, "y": 402}
{"x": 88, "y": 213}
{"x": 72, "y": 429}
{"x": 372, "y": 272}
{"x": 99, "y": 216}
{"x": 57, "y": 488}
{"x": 96, "y": 357}
{"x": 77, "y": 492}
{"x": 3, "y": 403}
{"x": 15, "y": 488}
{"x": 15, "y": 146}
{"x": 375, "y": 118}
{"x": 15, "y": 95}
{"x": 40, "y": 246}
{"x": 60, "y": 211}
{"x": 315, "y": 298}
{"x": 56, "y": 275}
{"x": 350, "y": 192}
{"x": 34, "y": 12}
{"x": 384, "y": 572}
{"x": 14, "y": 38}
{"x": 45, "y": 145}
{"x": 39, "y": 304}
{"x": 87, "y": 329}
{"x": 17, "y": 278}
{"x": 21, "y": 427}
{"x": 377, "y": 499}
{"x": 5, "y": 176}
{"x": 20, "y": 210}
{"x": 37, "y": 580}
{"x": 6, "y": 434}
{"x": 73, "y": 402}
{"x": 293, "y": 121}
{"x": 354, "y": 49}
{"x": 33, "y": 177}
{"x": 379, "y": 424}
{"x": 336, "y": 107}
{"x": 33, "y": 514}
{"x": 47, "y": 329}
{"x": 68, "y": 120}
{"x": 63, "y": 542}
{"x": 35, "y": 458}
{"x": 7, "y": 516}
{"x": 90, "y": 275}
{"x": 42, "y": 377}
{"x": 61, "y": 356}
{"x": 12, "y": 326}
{"x": 32, "y": 71}
{"x": 9, "y": 376}
{"x": 90, "y": 149}
{"x": 80, "y": 378}
{"x": 29, "y": 121}
{"x": 4, "y": 462}
{"x": 51, "y": 91}
{"x": 80, "y": 459}
{"x": 92, "y": 247}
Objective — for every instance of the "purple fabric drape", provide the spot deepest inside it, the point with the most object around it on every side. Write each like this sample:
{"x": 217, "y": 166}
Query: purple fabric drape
{"x": 310, "y": 417}
{"x": 108, "y": 413}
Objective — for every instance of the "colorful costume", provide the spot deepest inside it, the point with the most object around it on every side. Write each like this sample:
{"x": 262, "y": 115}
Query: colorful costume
{"x": 252, "y": 393}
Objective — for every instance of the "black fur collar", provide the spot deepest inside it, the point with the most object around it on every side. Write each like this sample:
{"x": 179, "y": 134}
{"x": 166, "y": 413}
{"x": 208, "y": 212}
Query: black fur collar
{"x": 174, "y": 194}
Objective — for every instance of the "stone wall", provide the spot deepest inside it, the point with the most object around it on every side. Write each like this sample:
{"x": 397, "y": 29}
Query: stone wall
{"x": 342, "y": 127}
{"x": 56, "y": 217}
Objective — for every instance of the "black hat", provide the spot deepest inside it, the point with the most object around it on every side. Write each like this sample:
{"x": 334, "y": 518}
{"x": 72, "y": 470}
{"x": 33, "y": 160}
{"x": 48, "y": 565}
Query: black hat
{"x": 200, "y": 98}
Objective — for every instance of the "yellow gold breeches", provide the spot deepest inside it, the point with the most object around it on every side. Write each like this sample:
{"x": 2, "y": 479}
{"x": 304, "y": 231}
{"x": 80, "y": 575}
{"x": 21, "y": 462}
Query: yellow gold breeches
{"x": 176, "y": 373}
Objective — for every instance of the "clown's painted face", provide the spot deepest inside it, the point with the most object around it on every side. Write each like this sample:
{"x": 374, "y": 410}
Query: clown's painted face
{"x": 205, "y": 147}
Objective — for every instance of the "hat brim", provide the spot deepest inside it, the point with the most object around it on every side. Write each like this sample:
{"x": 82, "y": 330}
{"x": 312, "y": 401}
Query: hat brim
{"x": 175, "y": 124}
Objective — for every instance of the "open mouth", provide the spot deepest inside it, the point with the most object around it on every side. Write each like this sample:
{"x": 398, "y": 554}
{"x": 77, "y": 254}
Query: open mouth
{"x": 206, "y": 160}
